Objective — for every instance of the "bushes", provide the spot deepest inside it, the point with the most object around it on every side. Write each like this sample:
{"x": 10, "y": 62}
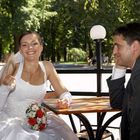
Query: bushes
{"x": 76, "y": 54}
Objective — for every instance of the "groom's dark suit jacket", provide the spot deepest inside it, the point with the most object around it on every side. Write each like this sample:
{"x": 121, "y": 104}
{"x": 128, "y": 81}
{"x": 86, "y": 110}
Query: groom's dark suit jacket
{"x": 127, "y": 99}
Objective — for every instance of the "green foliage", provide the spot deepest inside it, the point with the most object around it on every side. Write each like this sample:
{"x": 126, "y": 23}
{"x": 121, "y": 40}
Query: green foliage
{"x": 64, "y": 24}
{"x": 20, "y": 15}
{"x": 76, "y": 54}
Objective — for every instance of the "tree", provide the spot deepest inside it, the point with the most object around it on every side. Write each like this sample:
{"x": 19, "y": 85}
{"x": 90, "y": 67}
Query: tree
{"x": 64, "y": 24}
{"x": 21, "y": 15}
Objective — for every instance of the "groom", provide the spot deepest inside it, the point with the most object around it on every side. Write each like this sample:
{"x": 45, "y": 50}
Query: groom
{"x": 127, "y": 55}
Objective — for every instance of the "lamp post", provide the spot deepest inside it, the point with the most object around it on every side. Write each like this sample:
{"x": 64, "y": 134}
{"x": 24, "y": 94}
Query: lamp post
{"x": 98, "y": 33}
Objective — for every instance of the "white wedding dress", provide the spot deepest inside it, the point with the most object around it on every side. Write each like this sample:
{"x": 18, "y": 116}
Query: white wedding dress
{"x": 13, "y": 124}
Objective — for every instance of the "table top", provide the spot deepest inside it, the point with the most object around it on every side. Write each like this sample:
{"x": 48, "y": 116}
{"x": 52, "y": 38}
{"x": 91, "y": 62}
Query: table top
{"x": 82, "y": 105}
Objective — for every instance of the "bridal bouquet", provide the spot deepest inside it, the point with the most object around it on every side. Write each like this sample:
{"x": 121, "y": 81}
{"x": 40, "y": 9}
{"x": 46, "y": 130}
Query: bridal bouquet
{"x": 36, "y": 117}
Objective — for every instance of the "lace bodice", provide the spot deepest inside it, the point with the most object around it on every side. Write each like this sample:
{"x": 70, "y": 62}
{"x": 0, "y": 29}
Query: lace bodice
{"x": 24, "y": 94}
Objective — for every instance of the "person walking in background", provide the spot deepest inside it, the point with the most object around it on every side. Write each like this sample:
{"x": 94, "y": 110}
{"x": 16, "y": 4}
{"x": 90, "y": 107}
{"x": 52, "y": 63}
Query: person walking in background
{"x": 126, "y": 52}
{"x": 23, "y": 81}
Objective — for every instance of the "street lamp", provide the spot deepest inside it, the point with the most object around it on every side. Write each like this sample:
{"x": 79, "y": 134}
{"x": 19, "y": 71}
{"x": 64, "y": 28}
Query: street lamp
{"x": 98, "y": 33}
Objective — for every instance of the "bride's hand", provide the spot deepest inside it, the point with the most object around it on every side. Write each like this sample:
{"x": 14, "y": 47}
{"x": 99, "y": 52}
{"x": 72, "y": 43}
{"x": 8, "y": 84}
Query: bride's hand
{"x": 62, "y": 103}
{"x": 9, "y": 80}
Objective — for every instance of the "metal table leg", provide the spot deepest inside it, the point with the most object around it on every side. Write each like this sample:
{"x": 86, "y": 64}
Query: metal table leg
{"x": 87, "y": 125}
{"x": 100, "y": 121}
{"x": 72, "y": 123}
{"x": 103, "y": 128}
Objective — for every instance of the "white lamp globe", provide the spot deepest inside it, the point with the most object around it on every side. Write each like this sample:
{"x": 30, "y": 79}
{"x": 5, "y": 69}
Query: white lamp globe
{"x": 97, "y": 32}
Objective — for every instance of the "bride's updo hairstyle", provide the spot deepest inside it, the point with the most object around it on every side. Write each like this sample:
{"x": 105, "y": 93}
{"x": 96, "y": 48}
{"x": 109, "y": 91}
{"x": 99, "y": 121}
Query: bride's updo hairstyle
{"x": 40, "y": 39}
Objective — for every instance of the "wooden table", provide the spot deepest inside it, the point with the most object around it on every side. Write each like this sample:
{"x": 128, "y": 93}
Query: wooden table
{"x": 87, "y": 105}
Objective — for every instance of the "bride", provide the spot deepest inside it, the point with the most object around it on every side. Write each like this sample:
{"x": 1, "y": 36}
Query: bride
{"x": 23, "y": 81}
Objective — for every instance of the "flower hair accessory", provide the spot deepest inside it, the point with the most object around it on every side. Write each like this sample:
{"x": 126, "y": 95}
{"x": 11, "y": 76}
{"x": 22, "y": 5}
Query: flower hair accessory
{"x": 36, "y": 116}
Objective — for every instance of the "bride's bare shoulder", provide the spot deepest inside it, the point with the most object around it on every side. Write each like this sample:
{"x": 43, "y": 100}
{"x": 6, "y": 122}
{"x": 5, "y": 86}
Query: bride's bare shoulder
{"x": 49, "y": 67}
{"x": 48, "y": 64}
